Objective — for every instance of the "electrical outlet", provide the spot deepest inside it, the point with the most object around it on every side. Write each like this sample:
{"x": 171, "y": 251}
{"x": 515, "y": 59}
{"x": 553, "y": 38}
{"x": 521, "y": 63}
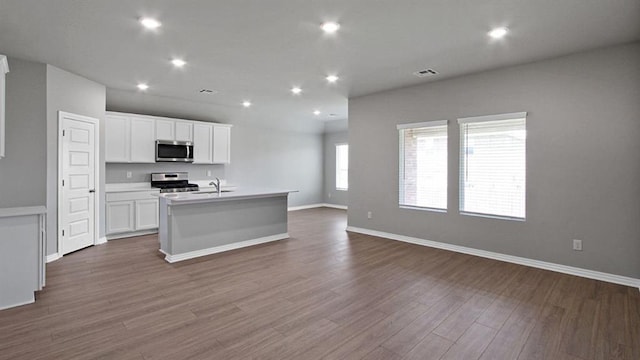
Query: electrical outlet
{"x": 128, "y": 174}
{"x": 369, "y": 215}
{"x": 577, "y": 245}
{"x": 209, "y": 173}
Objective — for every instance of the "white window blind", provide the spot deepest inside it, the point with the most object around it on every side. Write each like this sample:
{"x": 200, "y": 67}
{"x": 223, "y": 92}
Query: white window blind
{"x": 423, "y": 165}
{"x": 493, "y": 165}
{"x": 342, "y": 167}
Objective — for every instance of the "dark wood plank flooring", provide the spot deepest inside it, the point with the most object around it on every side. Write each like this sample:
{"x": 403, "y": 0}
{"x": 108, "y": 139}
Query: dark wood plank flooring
{"x": 323, "y": 293}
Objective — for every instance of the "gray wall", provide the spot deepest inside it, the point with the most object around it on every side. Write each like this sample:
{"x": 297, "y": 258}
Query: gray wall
{"x": 331, "y": 195}
{"x": 23, "y": 169}
{"x": 582, "y": 159}
{"x": 70, "y": 93}
{"x": 262, "y": 154}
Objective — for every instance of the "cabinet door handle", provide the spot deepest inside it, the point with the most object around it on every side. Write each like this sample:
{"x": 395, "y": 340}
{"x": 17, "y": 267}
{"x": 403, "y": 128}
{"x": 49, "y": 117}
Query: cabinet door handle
{"x": 92, "y": 190}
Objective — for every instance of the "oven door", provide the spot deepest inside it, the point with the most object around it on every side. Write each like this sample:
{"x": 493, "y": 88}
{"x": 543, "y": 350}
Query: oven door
{"x": 174, "y": 151}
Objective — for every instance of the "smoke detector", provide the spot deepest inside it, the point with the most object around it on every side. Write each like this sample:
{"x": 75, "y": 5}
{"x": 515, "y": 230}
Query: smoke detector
{"x": 425, "y": 73}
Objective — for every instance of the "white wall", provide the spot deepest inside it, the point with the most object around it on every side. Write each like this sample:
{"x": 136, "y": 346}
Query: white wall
{"x": 70, "y": 93}
{"x": 23, "y": 170}
{"x": 582, "y": 159}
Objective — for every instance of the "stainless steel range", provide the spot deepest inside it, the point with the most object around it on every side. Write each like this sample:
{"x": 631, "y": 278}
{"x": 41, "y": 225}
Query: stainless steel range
{"x": 172, "y": 182}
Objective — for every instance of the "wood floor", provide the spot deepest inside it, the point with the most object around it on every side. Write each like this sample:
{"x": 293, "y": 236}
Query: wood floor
{"x": 323, "y": 293}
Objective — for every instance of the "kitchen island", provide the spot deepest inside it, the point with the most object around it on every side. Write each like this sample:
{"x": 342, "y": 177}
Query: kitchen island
{"x": 203, "y": 223}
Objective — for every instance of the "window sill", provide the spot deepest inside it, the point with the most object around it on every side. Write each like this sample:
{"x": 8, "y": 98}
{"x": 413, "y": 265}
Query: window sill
{"x": 339, "y": 189}
{"x": 495, "y": 217}
{"x": 409, "y": 207}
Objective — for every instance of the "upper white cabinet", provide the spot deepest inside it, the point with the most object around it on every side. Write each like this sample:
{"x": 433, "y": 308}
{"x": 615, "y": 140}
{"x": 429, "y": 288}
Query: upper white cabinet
{"x": 129, "y": 138}
{"x": 143, "y": 136}
{"x": 174, "y": 130}
{"x": 221, "y": 144}
{"x": 4, "y": 69}
{"x": 203, "y": 143}
{"x": 117, "y": 138}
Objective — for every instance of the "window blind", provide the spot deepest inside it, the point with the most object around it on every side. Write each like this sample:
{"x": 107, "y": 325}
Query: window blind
{"x": 423, "y": 165}
{"x": 493, "y": 165}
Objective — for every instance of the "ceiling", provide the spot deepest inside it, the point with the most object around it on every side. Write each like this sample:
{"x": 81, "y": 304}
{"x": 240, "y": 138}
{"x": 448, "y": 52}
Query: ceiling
{"x": 257, "y": 49}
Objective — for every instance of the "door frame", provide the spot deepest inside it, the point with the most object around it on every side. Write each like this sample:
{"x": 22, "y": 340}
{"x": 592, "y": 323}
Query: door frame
{"x": 96, "y": 202}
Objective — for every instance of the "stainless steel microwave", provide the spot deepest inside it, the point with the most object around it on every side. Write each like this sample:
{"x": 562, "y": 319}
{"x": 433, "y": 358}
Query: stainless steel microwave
{"x": 174, "y": 151}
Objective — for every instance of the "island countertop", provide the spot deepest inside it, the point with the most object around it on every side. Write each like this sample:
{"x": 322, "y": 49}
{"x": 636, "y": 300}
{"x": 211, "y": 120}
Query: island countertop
{"x": 212, "y": 195}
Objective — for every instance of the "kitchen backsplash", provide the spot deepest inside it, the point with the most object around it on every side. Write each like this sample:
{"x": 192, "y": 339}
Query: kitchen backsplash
{"x": 117, "y": 173}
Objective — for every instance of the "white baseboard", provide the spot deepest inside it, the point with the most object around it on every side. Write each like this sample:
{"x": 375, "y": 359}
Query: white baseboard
{"x": 131, "y": 234}
{"x": 27, "y": 302}
{"x": 53, "y": 257}
{"x": 102, "y": 240}
{"x": 313, "y": 206}
{"x": 217, "y": 249}
{"x": 590, "y": 274}
{"x": 335, "y": 206}
{"x": 304, "y": 207}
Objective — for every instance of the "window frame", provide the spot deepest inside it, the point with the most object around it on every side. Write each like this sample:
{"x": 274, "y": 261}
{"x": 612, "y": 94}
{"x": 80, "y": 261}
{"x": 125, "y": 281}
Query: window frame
{"x": 401, "y": 163}
{"x": 462, "y": 163}
{"x": 338, "y": 167}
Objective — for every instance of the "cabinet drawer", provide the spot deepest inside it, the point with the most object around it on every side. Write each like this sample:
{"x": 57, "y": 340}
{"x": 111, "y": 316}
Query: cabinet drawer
{"x": 132, "y": 195}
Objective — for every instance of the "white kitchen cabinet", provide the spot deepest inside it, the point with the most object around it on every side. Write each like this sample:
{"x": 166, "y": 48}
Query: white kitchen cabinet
{"x": 120, "y": 217}
{"x": 4, "y": 69}
{"x": 131, "y": 213}
{"x": 146, "y": 214}
{"x": 117, "y": 138}
{"x": 221, "y": 144}
{"x": 143, "y": 136}
{"x": 202, "y": 143}
{"x": 165, "y": 129}
{"x": 174, "y": 130}
{"x": 129, "y": 138}
{"x": 184, "y": 131}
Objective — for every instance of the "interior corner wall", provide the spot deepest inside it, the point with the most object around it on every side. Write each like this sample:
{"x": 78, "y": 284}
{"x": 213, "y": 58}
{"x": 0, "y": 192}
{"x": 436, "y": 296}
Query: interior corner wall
{"x": 583, "y": 172}
{"x": 74, "y": 94}
{"x": 23, "y": 169}
{"x": 331, "y": 195}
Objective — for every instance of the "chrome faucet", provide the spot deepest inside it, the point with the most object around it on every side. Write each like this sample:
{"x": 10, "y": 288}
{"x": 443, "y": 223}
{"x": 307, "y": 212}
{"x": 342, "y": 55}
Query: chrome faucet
{"x": 217, "y": 185}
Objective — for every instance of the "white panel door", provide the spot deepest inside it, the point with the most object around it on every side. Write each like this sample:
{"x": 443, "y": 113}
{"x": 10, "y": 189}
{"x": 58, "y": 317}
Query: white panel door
{"x": 143, "y": 140}
{"x": 119, "y": 217}
{"x": 221, "y": 144}
{"x": 184, "y": 131}
{"x": 147, "y": 214}
{"x": 165, "y": 130}
{"x": 117, "y": 139}
{"x": 202, "y": 144}
{"x": 78, "y": 174}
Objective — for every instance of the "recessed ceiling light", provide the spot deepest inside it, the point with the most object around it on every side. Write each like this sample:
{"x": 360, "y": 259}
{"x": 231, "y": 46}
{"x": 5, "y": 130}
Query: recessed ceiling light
{"x": 150, "y": 23}
{"x": 498, "y": 33}
{"x": 330, "y": 27}
{"x": 332, "y": 78}
{"x": 316, "y": 112}
{"x": 143, "y": 86}
{"x": 178, "y": 62}
{"x": 296, "y": 90}
{"x": 246, "y": 103}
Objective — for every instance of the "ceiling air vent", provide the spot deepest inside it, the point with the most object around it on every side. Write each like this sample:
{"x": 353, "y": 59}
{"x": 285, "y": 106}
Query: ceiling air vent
{"x": 207, "y": 91}
{"x": 425, "y": 73}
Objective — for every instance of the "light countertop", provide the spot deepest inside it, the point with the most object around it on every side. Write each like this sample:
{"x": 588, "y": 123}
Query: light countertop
{"x": 145, "y": 186}
{"x": 212, "y": 196}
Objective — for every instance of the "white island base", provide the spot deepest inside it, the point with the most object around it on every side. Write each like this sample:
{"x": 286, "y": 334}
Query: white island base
{"x": 200, "y": 224}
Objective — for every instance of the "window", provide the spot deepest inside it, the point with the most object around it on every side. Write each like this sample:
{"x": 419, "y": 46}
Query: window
{"x": 423, "y": 165}
{"x": 493, "y": 165}
{"x": 342, "y": 167}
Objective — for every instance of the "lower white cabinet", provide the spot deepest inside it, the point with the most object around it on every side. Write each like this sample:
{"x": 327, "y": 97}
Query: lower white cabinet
{"x": 131, "y": 213}
{"x": 146, "y": 214}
